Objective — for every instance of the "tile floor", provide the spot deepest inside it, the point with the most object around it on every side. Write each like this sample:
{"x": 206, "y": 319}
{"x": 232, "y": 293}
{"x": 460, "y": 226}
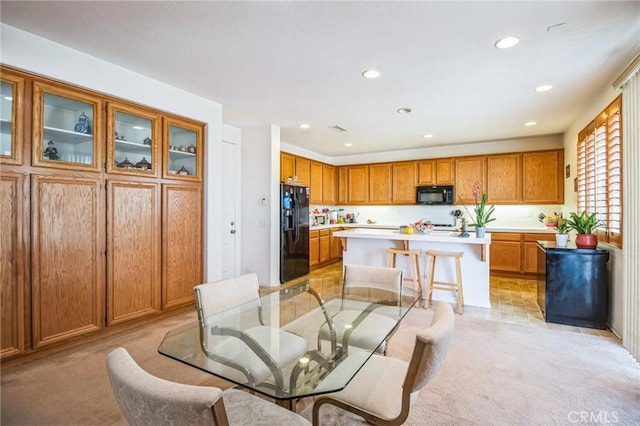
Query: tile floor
{"x": 513, "y": 300}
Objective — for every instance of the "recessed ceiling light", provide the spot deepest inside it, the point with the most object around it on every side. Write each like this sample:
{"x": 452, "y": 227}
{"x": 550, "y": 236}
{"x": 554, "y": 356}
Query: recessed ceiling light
{"x": 371, "y": 74}
{"x": 404, "y": 110}
{"x": 348, "y": 144}
{"x": 427, "y": 136}
{"x": 507, "y": 42}
{"x": 305, "y": 126}
{"x": 530, "y": 123}
{"x": 138, "y": 127}
{"x": 544, "y": 88}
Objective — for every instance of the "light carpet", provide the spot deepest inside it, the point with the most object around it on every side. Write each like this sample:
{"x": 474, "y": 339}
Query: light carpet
{"x": 495, "y": 374}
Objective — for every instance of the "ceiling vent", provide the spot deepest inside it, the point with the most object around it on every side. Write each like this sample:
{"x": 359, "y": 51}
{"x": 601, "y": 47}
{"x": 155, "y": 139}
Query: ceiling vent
{"x": 338, "y": 129}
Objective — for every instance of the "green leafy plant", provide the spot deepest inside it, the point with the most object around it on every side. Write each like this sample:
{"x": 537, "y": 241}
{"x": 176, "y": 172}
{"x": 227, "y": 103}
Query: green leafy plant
{"x": 482, "y": 211}
{"x": 563, "y": 226}
{"x": 584, "y": 223}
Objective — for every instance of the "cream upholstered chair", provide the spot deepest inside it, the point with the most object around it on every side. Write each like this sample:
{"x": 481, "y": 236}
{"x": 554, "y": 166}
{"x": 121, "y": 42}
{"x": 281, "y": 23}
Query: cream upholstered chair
{"x": 371, "y": 332}
{"x": 252, "y": 350}
{"x": 145, "y": 399}
{"x": 384, "y": 389}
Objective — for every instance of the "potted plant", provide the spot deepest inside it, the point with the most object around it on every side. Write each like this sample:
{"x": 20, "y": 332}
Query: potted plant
{"x": 482, "y": 211}
{"x": 562, "y": 237}
{"x": 584, "y": 224}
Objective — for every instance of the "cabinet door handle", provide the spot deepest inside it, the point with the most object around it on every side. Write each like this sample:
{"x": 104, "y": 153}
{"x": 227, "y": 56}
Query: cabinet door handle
{"x": 233, "y": 231}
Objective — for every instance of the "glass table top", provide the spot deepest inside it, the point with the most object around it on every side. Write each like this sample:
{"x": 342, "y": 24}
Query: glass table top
{"x": 305, "y": 339}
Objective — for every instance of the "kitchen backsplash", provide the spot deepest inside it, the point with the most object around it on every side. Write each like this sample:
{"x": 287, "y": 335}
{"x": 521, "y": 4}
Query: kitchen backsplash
{"x": 506, "y": 216}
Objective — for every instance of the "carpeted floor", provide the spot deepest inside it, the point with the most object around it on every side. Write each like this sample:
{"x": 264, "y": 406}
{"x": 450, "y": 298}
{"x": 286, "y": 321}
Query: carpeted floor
{"x": 495, "y": 374}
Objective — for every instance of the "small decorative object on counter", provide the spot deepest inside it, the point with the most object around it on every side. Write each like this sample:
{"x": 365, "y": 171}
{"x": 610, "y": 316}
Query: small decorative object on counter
{"x": 146, "y": 141}
{"x": 83, "y": 125}
{"x": 191, "y": 149}
{"x": 183, "y": 171}
{"x": 51, "y": 152}
{"x": 463, "y": 233}
{"x": 143, "y": 164}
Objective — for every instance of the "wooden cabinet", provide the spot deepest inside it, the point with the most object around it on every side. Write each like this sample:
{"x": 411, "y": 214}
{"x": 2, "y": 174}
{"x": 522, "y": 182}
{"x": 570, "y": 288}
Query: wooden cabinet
{"x": 13, "y": 263}
{"x": 516, "y": 253}
{"x": 504, "y": 179}
{"x": 183, "y": 150}
{"x": 506, "y": 252}
{"x": 287, "y": 166}
{"x": 303, "y": 170}
{"x": 468, "y": 171}
{"x": 181, "y": 243}
{"x": 315, "y": 183}
{"x": 329, "y": 185}
{"x": 133, "y": 250}
{"x": 314, "y": 249}
{"x": 11, "y": 117}
{"x": 530, "y": 251}
{"x": 325, "y": 246}
{"x": 444, "y": 171}
{"x": 403, "y": 189}
{"x": 343, "y": 185}
{"x": 67, "y": 262}
{"x": 435, "y": 172}
{"x": 358, "y": 184}
{"x": 322, "y": 248}
{"x": 542, "y": 174}
{"x": 336, "y": 245}
{"x": 380, "y": 183}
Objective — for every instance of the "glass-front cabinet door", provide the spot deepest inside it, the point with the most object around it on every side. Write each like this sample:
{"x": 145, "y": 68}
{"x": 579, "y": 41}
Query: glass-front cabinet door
{"x": 11, "y": 98}
{"x": 133, "y": 138}
{"x": 67, "y": 128}
{"x": 184, "y": 149}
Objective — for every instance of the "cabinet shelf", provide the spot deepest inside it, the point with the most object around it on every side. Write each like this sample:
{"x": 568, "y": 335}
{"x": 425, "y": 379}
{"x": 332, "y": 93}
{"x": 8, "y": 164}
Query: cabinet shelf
{"x": 66, "y": 136}
{"x": 132, "y": 147}
{"x": 180, "y": 154}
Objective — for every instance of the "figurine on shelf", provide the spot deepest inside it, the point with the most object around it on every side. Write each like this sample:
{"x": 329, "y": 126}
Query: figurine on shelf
{"x": 146, "y": 141}
{"x": 126, "y": 164}
{"x": 183, "y": 171}
{"x": 83, "y": 125}
{"x": 51, "y": 152}
{"x": 191, "y": 149}
{"x": 143, "y": 164}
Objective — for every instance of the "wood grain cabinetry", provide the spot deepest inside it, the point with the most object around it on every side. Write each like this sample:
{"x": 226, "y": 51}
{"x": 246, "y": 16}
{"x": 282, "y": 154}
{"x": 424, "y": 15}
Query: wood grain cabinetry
{"x": 516, "y": 253}
{"x": 435, "y": 172}
{"x": 358, "y": 184}
{"x": 504, "y": 179}
{"x": 325, "y": 246}
{"x": 329, "y": 185}
{"x": 287, "y": 166}
{"x": 314, "y": 249}
{"x": 322, "y": 248}
{"x": 543, "y": 178}
{"x": 303, "y": 170}
{"x": 343, "y": 185}
{"x": 315, "y": 183}
{"x": 87, "y": 242}
{"x": 444, "y": 171}
{"x": 11, "y": 117}
{"x": 468, "y": 171}
{"x": 336, "y": 245}
{"x": 67, "y": 273}
{"x": 380, "y": 183}
{"x": 403, "y": 190}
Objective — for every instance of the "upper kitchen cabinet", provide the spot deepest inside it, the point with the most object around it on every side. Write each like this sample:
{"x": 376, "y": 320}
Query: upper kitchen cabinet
{"x": 358, "y": 184}
{"x": 543, "y": 181}
{"x": 11, "y": 116}
{"x": 404, "y": 182}
{"x": 303, "y": 171}
{"x": 504, "y": 179}
{"x": 183, "y": 149}
{"x": 329, "y": 187}
{"x": 67, "y": 128}
{"x": 343, "y": 185}
{"x": 315, "y": 183}
{"x": 287, "y": 166}
{"x": 133, "y": 140}
{"x": 468, "y": 171}
{"x": 380, "y": 183}
{"x": 435, "y": 172}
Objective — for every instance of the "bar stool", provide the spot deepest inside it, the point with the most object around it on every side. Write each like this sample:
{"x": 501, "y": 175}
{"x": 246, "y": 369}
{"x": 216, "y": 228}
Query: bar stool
{"x": 455, "y": 287}
{"x": 416, "y": 280}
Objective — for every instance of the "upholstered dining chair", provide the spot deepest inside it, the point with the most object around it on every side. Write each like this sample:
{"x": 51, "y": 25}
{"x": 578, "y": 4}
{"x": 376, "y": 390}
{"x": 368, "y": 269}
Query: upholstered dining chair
{"x": 250, "y": 351}
{"x": 145, "y": 399}
{"x": 372, "y": 332}
{"x": 385, "y": 388}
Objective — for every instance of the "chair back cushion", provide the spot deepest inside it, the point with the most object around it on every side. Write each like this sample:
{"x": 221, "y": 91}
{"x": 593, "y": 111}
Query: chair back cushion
{"x": 148, "y": 400}
{"x": 430, "y": 349}
{"x": 215, "y": 297}
{"x": 373, "y": 276}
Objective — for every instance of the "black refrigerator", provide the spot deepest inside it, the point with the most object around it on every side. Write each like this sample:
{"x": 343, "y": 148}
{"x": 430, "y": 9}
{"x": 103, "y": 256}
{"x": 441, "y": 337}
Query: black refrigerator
{"x": 294, "y": 231}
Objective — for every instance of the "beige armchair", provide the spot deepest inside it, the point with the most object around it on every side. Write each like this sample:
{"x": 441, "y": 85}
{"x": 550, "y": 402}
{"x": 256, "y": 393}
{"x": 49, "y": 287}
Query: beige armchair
{"x": 365, "y": 330}
{"x": 384, "y": 389}
{"x": 247, "y": 347}
{"x": 145, "y": 399}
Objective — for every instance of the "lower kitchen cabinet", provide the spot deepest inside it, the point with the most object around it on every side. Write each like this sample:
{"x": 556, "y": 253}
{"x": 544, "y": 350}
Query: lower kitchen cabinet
{"x": 325, "y": 246}
{"x": 530, "y": 251}
{"x": 133, "y": 250}
{"x": 314, "y": 248}
{"x": 181, "y": 243}
{"x": 67, "y": 263}
{"x": 336, "y": 245}
{"x": 322, "y": 248}
{"x": 516, "y": 253}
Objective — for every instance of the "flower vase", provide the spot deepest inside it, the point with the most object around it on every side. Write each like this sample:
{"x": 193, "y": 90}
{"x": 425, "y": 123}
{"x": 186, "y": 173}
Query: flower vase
{"x": 480, "y": 230}
{"x": 586, "y": 241}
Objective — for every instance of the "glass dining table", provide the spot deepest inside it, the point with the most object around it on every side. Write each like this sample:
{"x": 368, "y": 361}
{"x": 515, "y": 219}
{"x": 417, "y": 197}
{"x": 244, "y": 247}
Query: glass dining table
{"x": 342, "y": 329}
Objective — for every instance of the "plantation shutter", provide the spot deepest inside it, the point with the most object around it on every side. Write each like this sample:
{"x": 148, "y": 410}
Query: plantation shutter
{"x": 614, "y": 172}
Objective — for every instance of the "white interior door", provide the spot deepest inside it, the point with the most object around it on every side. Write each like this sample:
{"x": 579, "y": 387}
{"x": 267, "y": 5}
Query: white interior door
{"x": 230, "y": 190}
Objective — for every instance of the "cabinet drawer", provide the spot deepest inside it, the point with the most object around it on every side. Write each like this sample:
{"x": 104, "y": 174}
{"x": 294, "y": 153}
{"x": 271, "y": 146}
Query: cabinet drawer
{"x": 324, "y": 232}
{"x": 314, "y": 234}
{"x": 540, "y": 237}
{"x": 505, "y": 236}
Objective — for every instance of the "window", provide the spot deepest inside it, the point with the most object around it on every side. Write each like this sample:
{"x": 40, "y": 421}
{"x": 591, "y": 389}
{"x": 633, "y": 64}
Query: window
{"x": 600, "y": 171}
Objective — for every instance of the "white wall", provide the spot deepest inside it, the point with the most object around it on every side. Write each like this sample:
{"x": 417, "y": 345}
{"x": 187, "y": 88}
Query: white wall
{"x": 616, "y": 255}
{"x": 41, "y": 56}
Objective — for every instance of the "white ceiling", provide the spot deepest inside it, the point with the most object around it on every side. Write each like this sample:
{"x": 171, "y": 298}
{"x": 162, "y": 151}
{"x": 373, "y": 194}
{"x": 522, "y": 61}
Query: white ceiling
{"x": 288, "y": 63}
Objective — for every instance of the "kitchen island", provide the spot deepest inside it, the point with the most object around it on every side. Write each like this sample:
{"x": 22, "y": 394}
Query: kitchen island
{"x": 368, "y": 247}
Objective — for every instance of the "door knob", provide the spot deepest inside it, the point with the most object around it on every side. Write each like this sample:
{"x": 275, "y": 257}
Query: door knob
{"x": 233, "y": 231}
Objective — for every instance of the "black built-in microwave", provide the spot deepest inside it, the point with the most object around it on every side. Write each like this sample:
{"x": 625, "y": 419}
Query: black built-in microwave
{"x": 434, "y": 195}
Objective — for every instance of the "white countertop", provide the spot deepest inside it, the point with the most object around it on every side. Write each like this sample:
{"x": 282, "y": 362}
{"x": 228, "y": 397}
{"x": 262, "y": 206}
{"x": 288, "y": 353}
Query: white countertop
{"x": 500, "y": 228}
{"x": 394, "y": 234}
